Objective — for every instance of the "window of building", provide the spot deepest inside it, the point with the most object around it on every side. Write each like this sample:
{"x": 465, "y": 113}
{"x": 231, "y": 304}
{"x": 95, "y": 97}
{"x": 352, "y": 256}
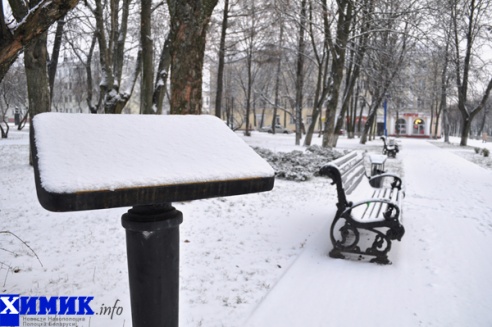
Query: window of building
{"x": 418, "y": 126}
{"x": 401, "y": 126}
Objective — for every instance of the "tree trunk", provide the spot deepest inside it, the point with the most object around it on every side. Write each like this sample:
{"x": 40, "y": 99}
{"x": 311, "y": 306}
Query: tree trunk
{"x": 107, "y": 78}
{"x": 23, "y": 121}
{"x": 465, "y": 131}
{"x": 322, "y": 62}
{"x": 468, "y": 116}
{"x": 5, "y": 132}
{"x": 220, "y": 68}
{"x": 337, "y": 70}
{"x": 88, "y": 72}
{"x": 471, "y": 18}
{"x": 438, "y": 115}
{"x": 53, "y": 63}
{"x": 120, "y": 38}
{"x": 147, "y": 81}
{"x": 160, "y": 88}
{"x": 110, "y": 36}
{"x": 482, "y": 124}
{"x": 361, "y": 112}
{"x": 300, "y": 74}
{"x": 189, "y": 20}
{"x": 35, "y": 62}
{"x": 278, "y": 75}
{"x": 353, "y": 113}
{"x": 249, "y": 64}
{"x": 444, "y": 87}
{"x": 319, "y": 98}
{"x": 433, "y": 110}
{"x": 371, "y": 118}
{"x": 357, "y": 54}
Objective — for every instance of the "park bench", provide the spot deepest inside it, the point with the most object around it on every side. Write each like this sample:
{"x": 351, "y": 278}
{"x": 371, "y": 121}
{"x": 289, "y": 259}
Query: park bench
{"x": 88, "y": 162}
{"x": 390, "y": 147}
{"x": 367, "y": 223}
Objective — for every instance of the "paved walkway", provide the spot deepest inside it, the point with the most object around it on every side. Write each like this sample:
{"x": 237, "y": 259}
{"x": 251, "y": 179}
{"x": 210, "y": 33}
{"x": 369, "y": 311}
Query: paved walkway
{"x": 441, "y": 271}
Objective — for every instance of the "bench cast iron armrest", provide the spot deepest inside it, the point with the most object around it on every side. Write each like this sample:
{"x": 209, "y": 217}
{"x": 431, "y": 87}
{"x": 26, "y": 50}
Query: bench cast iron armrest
{"x": 327, "y": 170}
{"x": 392, "y": 204}
{"x": 396, "y": 182}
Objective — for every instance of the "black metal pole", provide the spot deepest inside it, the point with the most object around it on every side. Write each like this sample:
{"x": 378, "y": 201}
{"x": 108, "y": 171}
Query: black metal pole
{"x": 152, "y": 245}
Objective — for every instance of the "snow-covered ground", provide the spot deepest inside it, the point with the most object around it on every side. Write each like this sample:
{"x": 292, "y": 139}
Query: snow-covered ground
{"x": 261, "y": 259}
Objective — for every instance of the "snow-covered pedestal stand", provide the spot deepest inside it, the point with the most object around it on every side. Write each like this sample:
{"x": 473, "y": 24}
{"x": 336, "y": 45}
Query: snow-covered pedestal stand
{"x": 87, "y": 162}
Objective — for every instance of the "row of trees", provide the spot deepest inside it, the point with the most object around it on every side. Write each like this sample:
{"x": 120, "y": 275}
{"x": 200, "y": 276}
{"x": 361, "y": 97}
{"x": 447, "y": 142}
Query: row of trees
{"x": 379, "y": 44}
{"x": 343, "y": 57}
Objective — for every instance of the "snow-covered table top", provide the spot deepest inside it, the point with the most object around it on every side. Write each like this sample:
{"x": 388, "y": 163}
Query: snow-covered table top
{"x": 85, "y": 161}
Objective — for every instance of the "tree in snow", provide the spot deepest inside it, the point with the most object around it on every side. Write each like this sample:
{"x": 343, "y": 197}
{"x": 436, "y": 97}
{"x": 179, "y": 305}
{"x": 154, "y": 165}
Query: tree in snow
{"x": 470, "y": 20}
{"x": 189, "y": 21}
{"x": 147, "y": 46}
{"x": 111, "y": 32}
{"x": 395, "y": 34}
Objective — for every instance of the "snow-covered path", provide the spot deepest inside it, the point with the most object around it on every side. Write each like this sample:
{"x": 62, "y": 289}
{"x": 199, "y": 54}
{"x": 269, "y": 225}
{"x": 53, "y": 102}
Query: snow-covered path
{"x": 441, "y": 270}
{"x": 436, "y": 179}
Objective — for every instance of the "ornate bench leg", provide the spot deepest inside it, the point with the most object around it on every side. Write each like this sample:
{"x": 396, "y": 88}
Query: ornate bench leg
{"x": 380, "y": 248}
{"x": 347, "y": 240}
{"x": 335, "y": 253}
{"x": 382, "y": 260}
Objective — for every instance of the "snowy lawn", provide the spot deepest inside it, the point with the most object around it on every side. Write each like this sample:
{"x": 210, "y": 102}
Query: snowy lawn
{"x": 261, "y": 259}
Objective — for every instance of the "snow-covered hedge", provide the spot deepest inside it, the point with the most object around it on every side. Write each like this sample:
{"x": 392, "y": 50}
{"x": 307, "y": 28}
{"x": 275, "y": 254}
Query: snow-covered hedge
{"x": 299, "y": 165}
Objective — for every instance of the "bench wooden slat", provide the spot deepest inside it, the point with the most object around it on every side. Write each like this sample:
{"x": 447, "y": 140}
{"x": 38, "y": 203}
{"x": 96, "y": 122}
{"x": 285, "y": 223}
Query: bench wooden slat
{"x": 356, "y": 179}
{"x": 390, "y": 194}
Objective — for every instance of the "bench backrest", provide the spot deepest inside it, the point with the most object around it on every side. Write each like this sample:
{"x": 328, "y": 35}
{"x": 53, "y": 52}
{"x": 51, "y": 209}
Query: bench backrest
{"x": 346, "y": 172}
{"x": 351, "y": 169}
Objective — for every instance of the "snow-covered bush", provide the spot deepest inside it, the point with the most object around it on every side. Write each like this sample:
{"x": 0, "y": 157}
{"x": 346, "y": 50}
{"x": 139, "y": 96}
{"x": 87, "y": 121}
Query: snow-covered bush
{"x": 477, "y": 150}
{"x": 485, "y": 152}
{"x": 298, "y": 165}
